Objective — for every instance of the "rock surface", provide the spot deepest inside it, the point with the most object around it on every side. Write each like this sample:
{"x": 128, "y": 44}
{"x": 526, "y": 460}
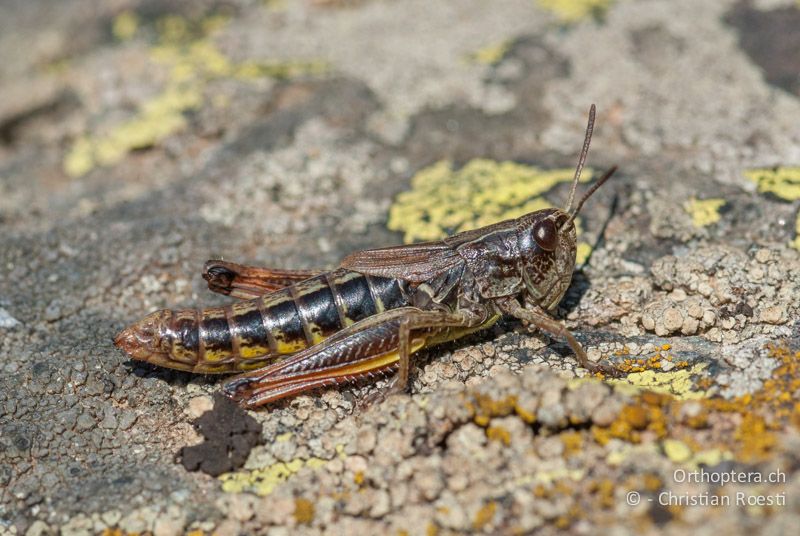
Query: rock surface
{"x": 140, "y": 138}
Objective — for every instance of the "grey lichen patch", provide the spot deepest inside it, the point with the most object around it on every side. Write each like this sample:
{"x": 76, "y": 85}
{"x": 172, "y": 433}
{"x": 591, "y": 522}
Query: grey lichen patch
{"x": 299, "y": 172}
{"x": 416, "y": 461}
{"x": 290, "y": 190}
{"x": 6, "y": 320}
{"x": 724, "y": 293}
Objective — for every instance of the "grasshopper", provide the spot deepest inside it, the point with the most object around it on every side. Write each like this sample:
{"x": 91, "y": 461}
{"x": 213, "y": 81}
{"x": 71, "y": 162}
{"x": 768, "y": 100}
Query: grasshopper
{"x": 297, "y": 330}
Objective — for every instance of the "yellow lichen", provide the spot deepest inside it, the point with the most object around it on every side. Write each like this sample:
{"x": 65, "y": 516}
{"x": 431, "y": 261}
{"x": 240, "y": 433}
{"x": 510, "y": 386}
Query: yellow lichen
{"x": 193, "y": 61}
{"x": 569, "y": 11}
{"x": 760, "y": 416}
{"x": 125, "y": 25}
{"x": 263, "y": 481}
{"x": 491, "y": 54}
{"x": 678, "y": 383}
{"x": 555, "y": 475}
{"x": 676, "y": 450}
{"x": 443, "y": 201}
{"x": 704, "y": 212}
{"x": 783, "y": 182}
{"x": 303, "y": 511}
{"x": 710, "y": 457}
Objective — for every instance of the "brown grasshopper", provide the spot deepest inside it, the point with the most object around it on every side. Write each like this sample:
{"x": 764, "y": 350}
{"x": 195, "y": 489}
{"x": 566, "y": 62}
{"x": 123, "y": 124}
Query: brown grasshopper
{"x": 300, "y": 330}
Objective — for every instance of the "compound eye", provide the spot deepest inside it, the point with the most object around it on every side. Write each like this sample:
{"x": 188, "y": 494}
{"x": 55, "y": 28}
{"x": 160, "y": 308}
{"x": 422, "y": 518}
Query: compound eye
{"x": 546, "y": 235}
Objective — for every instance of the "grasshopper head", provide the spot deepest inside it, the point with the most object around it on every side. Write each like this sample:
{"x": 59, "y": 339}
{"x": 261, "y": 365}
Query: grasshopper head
{"x": 547, "y": 244}
{"x": 547, "y": 239}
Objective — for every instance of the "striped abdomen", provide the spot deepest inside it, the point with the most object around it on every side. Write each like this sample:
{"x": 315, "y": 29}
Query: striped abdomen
{"x": 249, "y": 334}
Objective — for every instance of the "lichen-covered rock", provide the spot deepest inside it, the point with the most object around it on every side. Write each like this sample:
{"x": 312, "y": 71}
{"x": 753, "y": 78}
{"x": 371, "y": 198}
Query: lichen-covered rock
{"x": 139, "y": 140}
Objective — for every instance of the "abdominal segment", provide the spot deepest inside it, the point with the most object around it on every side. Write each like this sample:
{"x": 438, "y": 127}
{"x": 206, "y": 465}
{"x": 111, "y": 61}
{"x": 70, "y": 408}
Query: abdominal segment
{"x": 251, "y": 334}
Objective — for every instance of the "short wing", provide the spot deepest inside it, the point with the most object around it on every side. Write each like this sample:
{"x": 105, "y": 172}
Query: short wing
{"x": 415, "y": 262}
{"x": 247, "y": 282}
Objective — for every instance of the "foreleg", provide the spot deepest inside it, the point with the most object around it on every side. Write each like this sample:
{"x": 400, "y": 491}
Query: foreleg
{"x": 550, "y": 325}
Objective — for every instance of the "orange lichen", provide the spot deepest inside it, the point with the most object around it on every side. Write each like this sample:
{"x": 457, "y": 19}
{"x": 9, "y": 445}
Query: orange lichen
{"x": 303, "y": 511}
{"x": 759, "y": 414}
{"x": 656, "y": 361}
{"x": 485, "y": 515}
{"x": 524, "y": 414}
{"x": 652, "y": 482}
{"x": 498, "y": 433}
{"x": 485, "y": 407}
{"x": 603, "y": 489}
{"x": 572, "y": 441}
{"x": 755, "y": 441}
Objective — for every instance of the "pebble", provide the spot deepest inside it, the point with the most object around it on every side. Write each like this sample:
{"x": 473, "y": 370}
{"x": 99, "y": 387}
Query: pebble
{"x": 690, "y": 326}
{"x": 79, "y": 525}
{"x": 606, "y": 414}
{"x": 229, "y": 527}
{"x": 755, "y": 275}
{"x": 241, "y": 506}
{"x": 355, "y": 464}
{"x": 111, "y": 518}
{"x": 366, "y": 440}
{"x": 109, "y": 420}
{"x": 430, "y": 483}
{"x": 6, "y": 320}
{"x": 771, "y": 315}
{"x": 127, "y": 419}
{"x": 550, "y": 447}
{"x": 169, "y": 526}
{"x": 84, "y": 422}
{"x": 138, "y": 520}
{"x": 381, "y": 504}
{"x": 199, "y": 405}
{"x": 673, "y": 319}
{"x": 38, "y": 528}
{"x": 52, "y": 312}
{"x": 551, "y": 411}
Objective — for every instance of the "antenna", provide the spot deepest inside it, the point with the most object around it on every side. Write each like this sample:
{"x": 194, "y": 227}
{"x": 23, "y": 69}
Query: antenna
{"x": 582, "y": 159}
{"x": 588, "y": 194}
